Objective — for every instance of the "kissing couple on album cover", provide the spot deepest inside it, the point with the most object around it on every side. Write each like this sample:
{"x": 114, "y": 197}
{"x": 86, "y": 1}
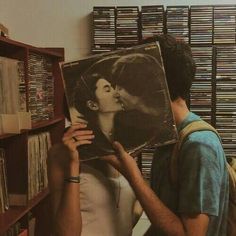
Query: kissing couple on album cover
{"x": 122, "y": 96}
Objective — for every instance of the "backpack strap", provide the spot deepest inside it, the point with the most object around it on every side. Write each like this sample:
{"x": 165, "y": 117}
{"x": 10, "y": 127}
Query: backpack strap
{"x": 194, "y": 126}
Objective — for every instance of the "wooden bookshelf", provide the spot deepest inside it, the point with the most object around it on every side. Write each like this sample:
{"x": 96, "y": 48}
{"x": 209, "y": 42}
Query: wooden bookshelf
{"x": 15, "y": 145}
{"x": 14, "y": 214}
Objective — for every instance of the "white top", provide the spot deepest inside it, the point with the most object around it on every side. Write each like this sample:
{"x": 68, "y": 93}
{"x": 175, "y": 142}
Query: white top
{"x": 106, "y": 204}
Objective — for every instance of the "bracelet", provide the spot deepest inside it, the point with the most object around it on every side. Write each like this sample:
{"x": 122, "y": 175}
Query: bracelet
{"x": 72, "y": 179}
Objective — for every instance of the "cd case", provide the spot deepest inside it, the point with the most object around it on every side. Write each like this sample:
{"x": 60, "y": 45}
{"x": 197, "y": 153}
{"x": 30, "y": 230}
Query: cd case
{"x": 122, "y": 96}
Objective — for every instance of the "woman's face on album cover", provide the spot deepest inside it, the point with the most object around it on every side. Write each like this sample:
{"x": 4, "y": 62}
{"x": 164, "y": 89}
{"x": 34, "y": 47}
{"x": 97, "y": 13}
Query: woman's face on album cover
{"x": 105, "y": 94}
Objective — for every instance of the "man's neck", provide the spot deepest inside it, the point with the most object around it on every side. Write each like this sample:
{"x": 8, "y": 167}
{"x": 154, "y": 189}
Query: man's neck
{"x": 180, "y": 110}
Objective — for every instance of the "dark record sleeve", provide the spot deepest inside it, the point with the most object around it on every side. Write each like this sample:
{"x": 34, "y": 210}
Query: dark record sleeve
{"x": 133, "y": 127}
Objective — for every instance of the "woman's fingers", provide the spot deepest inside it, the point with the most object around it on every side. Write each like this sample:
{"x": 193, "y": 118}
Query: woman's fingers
{"x": 75, "y": 127}
{"x": 78, "y": 134}
{"x": 84, "y": 137}
{"x": 82, "y": 142}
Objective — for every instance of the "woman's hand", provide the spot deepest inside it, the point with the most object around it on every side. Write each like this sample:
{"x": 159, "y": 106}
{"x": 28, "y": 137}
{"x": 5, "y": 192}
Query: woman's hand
{"x": 76, "y": 136}
{"x": 123, "y": 162}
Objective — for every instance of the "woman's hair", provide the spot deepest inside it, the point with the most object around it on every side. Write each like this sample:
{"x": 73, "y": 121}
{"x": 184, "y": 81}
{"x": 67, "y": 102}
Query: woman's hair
{"x": 86, "y": 85}
{"x": 138, "y": 74}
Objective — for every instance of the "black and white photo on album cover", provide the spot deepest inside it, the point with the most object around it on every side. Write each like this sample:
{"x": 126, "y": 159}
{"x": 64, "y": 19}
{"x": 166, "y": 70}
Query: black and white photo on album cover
{"x": 122, "y": 96}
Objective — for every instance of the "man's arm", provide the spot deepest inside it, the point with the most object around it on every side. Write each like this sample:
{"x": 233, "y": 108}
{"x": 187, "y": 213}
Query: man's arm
{"x": 159, "y": 215}
{"x": 65, "y": 196}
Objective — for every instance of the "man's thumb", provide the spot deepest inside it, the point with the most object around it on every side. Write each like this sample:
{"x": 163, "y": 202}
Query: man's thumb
{"x": 119, "y": 148}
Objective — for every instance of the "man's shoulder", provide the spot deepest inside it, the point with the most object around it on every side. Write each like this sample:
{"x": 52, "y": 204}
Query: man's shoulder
{"x": 203, "y": 137}
{"x": 203, "y": 147}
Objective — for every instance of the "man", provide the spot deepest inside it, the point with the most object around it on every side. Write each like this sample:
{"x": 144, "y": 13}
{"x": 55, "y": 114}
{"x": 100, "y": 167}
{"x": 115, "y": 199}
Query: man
{"x": 199, "y": 205}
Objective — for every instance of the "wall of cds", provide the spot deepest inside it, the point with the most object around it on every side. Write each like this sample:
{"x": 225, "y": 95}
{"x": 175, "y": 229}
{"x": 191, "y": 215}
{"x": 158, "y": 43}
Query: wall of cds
{"x": 211, "y": 32}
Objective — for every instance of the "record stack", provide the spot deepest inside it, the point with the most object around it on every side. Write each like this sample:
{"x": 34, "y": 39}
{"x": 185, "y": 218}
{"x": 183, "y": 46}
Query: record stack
{"x": 201, "y": 90}
{"x": 225, "y": 24}
{"x": 127, "y": 26}
{"x": 146, "y": 157}
{"x": 22, "y": 87}
{"x": 201, "y": 24}
{"x": 15, "y": 230}
{"x": 177, "y": 21}
{"x": 104, "y": 29}
{"x": 41, "y": 87}
{"x": 38, "y": 146}
{"x": 226, "y": 97}
{"x": 4, "y": 198}
{"x": 152, "y": 20}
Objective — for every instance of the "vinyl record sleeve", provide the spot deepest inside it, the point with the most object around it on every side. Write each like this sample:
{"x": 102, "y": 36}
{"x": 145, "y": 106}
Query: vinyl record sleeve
{"x": 122, "y": 96}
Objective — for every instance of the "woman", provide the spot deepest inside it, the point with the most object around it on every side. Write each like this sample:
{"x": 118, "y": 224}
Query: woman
{"x": 103, "y": 203}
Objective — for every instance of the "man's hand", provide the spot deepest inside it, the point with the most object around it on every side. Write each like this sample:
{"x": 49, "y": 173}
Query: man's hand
{"x": 76, "y": 136}
{"x": 123, "y": 162}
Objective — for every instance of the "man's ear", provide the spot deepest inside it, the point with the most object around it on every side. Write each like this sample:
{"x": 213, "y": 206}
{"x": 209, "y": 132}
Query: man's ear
{"x": 92, "y": 105}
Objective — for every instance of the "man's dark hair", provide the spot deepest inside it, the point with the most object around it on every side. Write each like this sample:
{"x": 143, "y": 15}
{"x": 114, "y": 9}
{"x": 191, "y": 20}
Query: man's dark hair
{"x": 137, "y": 73}
{"x": 179, "y": 64}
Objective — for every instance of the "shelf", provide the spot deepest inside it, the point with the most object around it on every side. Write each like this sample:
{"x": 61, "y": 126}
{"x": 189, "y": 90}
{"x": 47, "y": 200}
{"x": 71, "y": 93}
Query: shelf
{"x": 11, "y": 216}
{"x": 18, "y": 148}
{"x": 12, "y": 43}
{"x": 4, "y": 136}
{"x": 35, "y": 126}
{"x": 46, "y": 123}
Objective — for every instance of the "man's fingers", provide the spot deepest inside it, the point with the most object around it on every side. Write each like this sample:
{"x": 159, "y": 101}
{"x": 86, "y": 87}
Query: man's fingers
{"x": 108, "y": 157}
{"x": 111, "y": 159}
{"x": 118, "y": 147}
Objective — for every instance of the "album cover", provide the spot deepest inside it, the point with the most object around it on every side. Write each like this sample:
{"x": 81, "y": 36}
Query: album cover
{"x": 122, "y": 96}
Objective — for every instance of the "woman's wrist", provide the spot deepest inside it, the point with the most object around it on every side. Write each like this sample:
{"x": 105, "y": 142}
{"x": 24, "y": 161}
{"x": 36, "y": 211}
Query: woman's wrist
{"x": 73, "y": 173}
{"x": 74, "y": 168}
{"x": 72, "y": 179}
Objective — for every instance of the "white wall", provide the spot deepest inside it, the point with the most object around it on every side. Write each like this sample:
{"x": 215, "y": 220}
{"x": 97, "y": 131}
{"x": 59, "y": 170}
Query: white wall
{"x": 65, "y": 23}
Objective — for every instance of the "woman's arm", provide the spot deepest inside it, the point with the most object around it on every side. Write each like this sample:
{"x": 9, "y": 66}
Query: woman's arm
{"x": 63, "y": 163}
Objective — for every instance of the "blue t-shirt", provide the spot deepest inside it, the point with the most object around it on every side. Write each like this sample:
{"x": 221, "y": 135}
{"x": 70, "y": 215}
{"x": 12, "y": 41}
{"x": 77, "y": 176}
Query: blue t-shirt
{"x": 203, "y": 178}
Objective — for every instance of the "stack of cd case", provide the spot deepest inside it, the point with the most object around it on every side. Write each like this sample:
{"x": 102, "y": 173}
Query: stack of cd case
{"x": 177, "y": 21}
{"x": 201, "y": 24}
{"x": 201, "y": 90}
{"x": 152, "y": 20}
{"x": 224, "y": 24}
{"x": 146, "y": 157}
{"x": 226, "y": 97}
{"x": 127, "y": 26}
{"x": 103, "y": 29}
